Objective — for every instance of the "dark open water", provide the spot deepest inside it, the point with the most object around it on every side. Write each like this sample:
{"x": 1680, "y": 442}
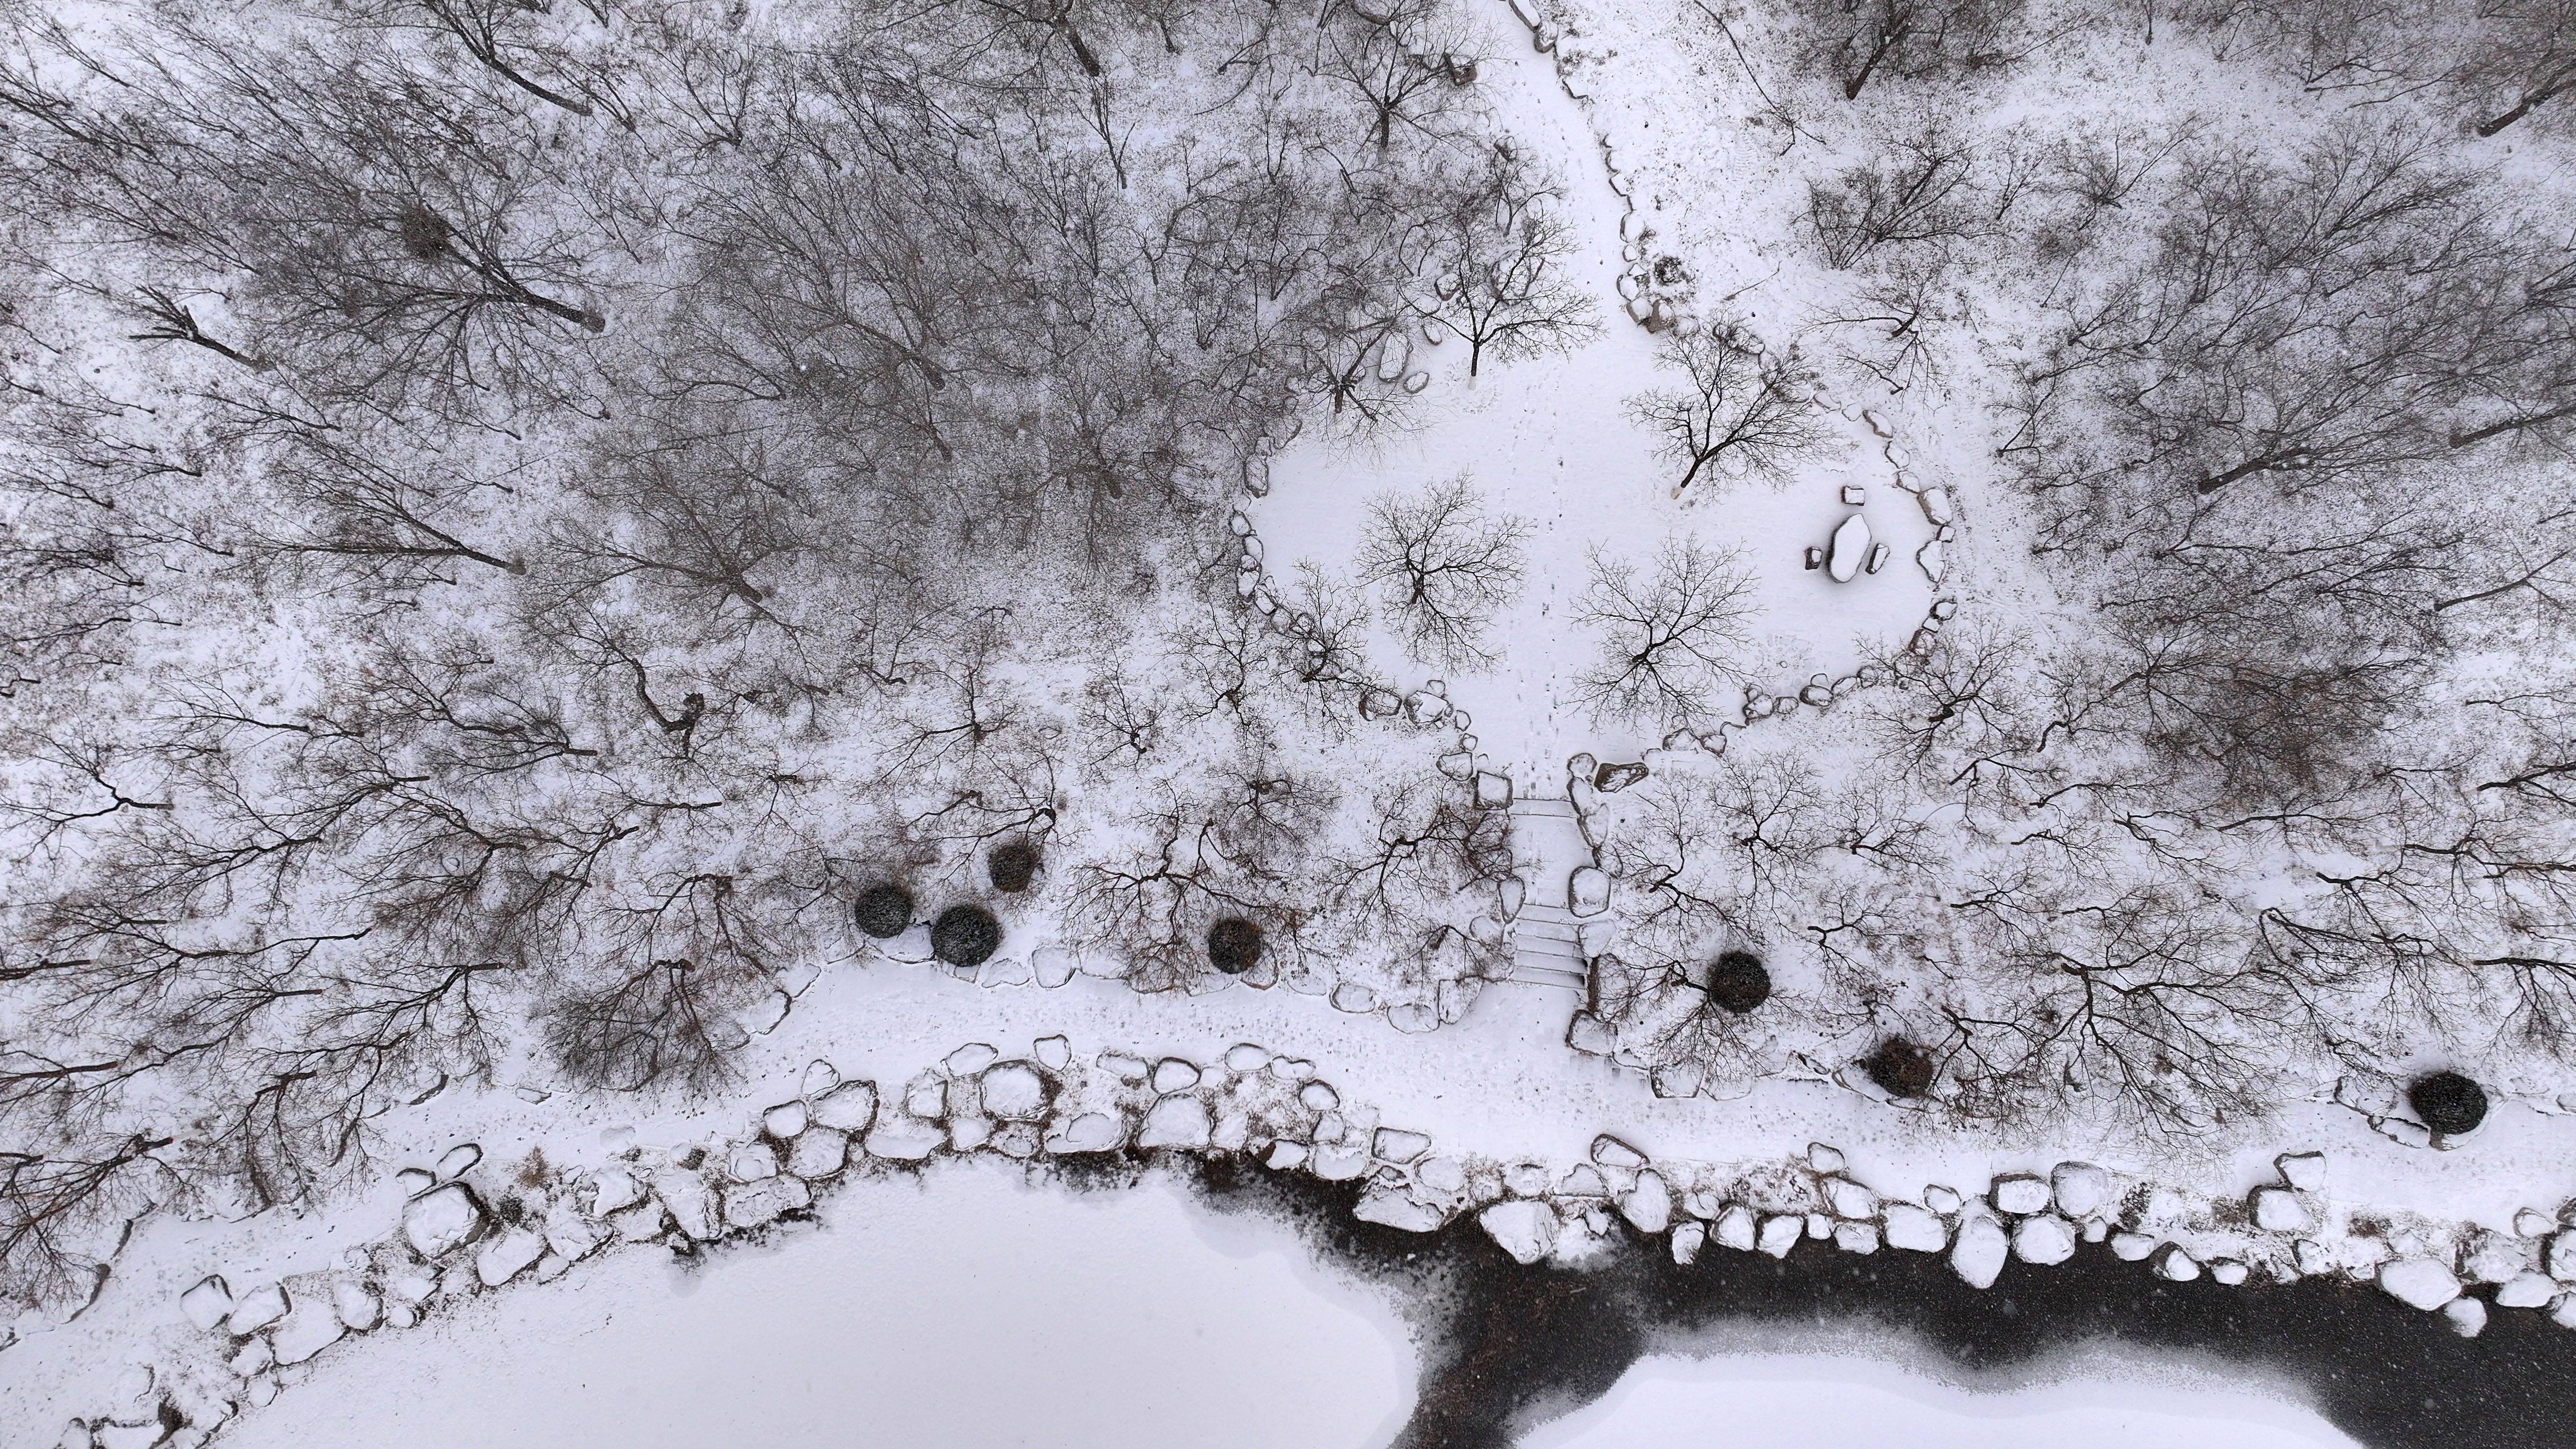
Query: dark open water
{"x": 1507, "y": 1347}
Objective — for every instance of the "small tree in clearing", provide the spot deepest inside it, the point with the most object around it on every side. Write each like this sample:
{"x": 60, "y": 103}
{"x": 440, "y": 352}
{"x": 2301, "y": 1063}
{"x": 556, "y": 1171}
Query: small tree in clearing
{"x": 1663, "y": 637}
{"x": 1443, "y": 568}
{"x": 1738, "y": 409}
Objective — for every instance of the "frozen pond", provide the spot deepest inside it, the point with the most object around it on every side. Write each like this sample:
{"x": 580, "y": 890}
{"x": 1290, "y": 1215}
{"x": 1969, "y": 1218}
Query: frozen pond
{"x": 962, "y": 1311}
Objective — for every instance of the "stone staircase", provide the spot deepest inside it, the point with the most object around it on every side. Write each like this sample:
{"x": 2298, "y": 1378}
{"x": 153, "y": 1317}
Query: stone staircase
{"x": 1543, "y": 936}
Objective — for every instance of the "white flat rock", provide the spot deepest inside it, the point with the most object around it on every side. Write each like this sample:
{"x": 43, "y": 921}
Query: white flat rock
{"x": 1780, "y": 1234}
{"x": 1849, "y": 1199}
{"x": 508, "y": 1255}
{"x": 2021, "y": 1194}
{"x": 818, "y": 1153}
{"x": 689, "y": 1201}
{"x": 851, "y": 1106}
{"x": 1396, "y": 1208}
{"x": 1736, "y": 1228}
{"x": 311, "y": 1328}
{"x": 1087, "y": 1132}
{"x": 1014, "y": 1092}
{"x": 1393, "y": 1144}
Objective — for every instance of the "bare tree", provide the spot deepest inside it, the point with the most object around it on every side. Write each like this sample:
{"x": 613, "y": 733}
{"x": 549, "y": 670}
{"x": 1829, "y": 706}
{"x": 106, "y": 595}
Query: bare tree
{"x": 1860, "y": 41}
{"x": 1443, "y": 568}
{"x": 1915, "y": 191}
{"x": 1665, "y": 638}
{"x": 1499, "y": 254}
{"x": 1743, "y": 409}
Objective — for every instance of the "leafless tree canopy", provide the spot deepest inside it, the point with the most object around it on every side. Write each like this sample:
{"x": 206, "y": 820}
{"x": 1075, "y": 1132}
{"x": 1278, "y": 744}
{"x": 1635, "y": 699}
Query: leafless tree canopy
{"x": 514, "y": 516}
{"x": 1442, "y": 568}
{"x": 1667, "y": 633}
{"x": 1740, "y": 410}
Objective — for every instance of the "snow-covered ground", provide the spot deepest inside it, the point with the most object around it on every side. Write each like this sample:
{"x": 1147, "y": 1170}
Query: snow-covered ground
{"x": 964, "y": 1310}
{"x": 1769, "y": 1401}
{"x": 1549, "y": 439}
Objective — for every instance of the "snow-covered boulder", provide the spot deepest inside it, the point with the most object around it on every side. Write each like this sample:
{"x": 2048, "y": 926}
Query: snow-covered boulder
{"x": 1978, "y": 1255}
{"x": 357, "y": 1309}
{"x": 441, "y": 1220}
{"x": 1856, "y": 1237}
{"x": 1393, "y": 1144}
{"x": 2045, "y": 1239}
{"x": 690, "y": 1202}
{"x": 1687, "y": 1240}
{"x": 1339, "y": 1161}
{"x": 2022, "y": 1194}
{"x": 2131, "y": 1247}
{"x": 902, "y": 1137}
{"x": 1915, "y": 1230}
{"x": 1522, "y": 1227}
{"x": 2527, "y": 1290}
{"x": 459, "y": 1160}
{"x": 1823, "y": 1158}
{"x": 257, "y": 1309}
{"x": 1780, "y": 1234}
{"x": 1648, "y": 1206}
{"x": 2305, "y": 1171}
{"x": 1180, "y": 1120}
{"x": 818, "y": 1153}
{"x": 1172, "y": 1074}
{"x": 2175, "y": 1265}
{"x": 1396, "y": 1208}
{"x": 2466, "y": 1317}
{"x": 1587, "y": 891}
{"x": 1087, "y": 1132}
{"x": 2560, "y": 1260}
{"x": 1015, "y": 1092}
{"x": 2418, "y": 1282}
{"x": 751, "y": 1162}
{"x": 208, "y": 1303}
{"x": 1849, "y": 1199}
{"x": 849, "y": 1107}
{"x": 2081, "y": 1188}
{"x": 1736, "y": 1228}
{"x": 1942, "y": 1200}
{"x": 2278, "y": 1210}
{"x": 784, "y": 1121}
{"x": 1610, "y": 1151}
{"x": 508, "y": 1254}
{"x": 756, "y": 1204}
